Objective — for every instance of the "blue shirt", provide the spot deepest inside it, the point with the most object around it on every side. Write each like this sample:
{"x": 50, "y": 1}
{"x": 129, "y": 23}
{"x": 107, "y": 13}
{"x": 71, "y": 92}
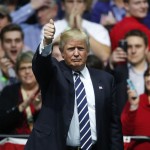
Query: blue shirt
{"x": 101, "y": 8}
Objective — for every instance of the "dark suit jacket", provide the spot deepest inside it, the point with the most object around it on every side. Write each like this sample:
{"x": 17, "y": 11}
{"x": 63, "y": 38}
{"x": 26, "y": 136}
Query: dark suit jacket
{"x": 10, "y": 117}
{"x": 58, "y": 94}
{"x": 121, "y": 75}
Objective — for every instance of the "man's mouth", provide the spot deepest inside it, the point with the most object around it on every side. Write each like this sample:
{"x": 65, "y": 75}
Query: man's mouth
{"x": 76, "y": 60}
{"x": 13, "y": 52}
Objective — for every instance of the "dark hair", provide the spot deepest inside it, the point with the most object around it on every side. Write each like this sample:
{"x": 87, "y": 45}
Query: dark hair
{"x": 94, "y": 62}
{"x": 138, "y": 33}
{"x": 11, "y": 27}
{"x": 147, "y": 73}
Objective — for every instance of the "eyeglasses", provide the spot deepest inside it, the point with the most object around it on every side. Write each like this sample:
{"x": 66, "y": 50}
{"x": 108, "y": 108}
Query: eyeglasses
{"x": 23, "y": 69}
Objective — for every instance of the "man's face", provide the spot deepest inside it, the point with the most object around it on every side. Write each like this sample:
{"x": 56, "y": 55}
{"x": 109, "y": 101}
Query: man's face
{"x": 137, "y": 8}
{"x": 136, "y": 50}
{"x": 75, "y": 54}
{"x": 44, "y": 14}
{"x": 69, "y": 5}
{"x": 12, "y": 44}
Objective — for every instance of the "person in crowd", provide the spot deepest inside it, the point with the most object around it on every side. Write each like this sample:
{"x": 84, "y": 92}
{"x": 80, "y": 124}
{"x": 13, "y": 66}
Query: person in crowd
{"x": 66, "y": 92}
{"x": 43, "y": 10}
{"x": 98, "y": 35}
{"x": 20, "y": 102}
{"x": 12, "y": 43}
{"x": 108, "y": 13}
{"x": 130, "y": 64}
{"x": 23, "y": 12}
{"x": 94, "y": 61}
{"x": 136, "y": 10}
{"x": 5, "y": 19}
{"x": 135, "y": 116}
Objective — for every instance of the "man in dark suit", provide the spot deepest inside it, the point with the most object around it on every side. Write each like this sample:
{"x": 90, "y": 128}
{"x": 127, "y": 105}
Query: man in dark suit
{"x": 58, "y": 126}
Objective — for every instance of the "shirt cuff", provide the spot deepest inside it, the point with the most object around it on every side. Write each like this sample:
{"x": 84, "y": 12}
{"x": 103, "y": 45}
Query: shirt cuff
{"x": 45, "y": 51}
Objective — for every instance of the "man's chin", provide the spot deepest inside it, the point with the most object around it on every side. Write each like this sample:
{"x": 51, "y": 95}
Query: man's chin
{"x": 77, "y": 67}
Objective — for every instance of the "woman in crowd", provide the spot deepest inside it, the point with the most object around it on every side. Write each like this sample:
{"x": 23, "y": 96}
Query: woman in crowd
{"x": 20, "y": 102}
{"x": 136, "y": 116}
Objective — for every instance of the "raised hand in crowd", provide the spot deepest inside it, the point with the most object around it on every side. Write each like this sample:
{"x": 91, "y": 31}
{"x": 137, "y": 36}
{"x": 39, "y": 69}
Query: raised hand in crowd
{"x": 5, "y": 64}
{"x": 75, "y": 18}
{"x": 118, "y": 55}
{"x": 133, "y": 99}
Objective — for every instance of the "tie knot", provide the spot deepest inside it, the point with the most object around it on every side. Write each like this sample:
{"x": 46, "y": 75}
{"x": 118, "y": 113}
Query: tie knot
{"x": 77, "y": 73}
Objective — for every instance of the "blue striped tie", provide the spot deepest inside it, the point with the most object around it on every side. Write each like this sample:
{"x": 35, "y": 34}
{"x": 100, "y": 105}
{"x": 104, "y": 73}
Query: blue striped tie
{"x": 84, "y": 121}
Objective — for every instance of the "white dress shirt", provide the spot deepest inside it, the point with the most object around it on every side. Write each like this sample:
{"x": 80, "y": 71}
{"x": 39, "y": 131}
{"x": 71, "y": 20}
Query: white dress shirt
{"x": 73, "y": 138}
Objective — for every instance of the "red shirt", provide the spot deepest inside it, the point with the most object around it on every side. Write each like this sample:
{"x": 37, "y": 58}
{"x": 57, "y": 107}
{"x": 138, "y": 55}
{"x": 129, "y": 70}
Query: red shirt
{"x": 137, "y": 123}
{"x": 121, "y": 28}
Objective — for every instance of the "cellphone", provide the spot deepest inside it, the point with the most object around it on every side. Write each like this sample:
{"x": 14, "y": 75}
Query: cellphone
{"x": 123, "y": 44}
{"x": 132, "y": 87}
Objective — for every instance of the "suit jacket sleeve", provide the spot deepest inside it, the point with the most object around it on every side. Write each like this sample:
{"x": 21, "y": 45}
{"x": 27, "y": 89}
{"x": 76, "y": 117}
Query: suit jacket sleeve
{"x": 116, "y": 128}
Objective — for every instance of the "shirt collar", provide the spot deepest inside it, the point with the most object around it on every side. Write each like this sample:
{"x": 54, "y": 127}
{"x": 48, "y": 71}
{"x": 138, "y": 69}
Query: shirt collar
{"x": 84, "y": 72}
{"x": 131, "y": 67}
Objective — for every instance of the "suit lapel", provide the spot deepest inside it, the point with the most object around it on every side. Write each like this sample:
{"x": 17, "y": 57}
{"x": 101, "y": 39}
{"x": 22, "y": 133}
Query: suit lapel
{"x": 66, "y": 71}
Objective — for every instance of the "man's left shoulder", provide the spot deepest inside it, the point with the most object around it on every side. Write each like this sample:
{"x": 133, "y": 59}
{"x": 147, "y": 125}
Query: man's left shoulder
{"x": 100, "y": 74}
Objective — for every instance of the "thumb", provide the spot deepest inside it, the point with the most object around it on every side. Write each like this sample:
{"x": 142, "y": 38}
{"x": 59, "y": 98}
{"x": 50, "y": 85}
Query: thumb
{"x": 51, "y": 21}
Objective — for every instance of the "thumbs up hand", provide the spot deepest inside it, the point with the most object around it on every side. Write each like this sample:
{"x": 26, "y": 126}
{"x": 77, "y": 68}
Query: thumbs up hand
{"x": 49, "y": 31}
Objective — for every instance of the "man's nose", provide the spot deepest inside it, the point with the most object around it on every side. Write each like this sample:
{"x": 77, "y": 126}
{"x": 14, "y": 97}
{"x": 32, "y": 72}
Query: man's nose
{"x": 133, "y": 50}
{"x": 76, "y": 51}
{"x": 13, "y": 43}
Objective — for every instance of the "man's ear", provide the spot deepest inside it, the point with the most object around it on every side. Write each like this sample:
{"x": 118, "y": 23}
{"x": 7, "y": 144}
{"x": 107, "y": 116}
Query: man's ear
{"x": 62, "y": 54}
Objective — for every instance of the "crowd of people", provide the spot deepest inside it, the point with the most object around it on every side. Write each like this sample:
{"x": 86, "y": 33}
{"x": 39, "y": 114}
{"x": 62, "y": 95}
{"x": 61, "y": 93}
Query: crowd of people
{"x": 24, "y": 29}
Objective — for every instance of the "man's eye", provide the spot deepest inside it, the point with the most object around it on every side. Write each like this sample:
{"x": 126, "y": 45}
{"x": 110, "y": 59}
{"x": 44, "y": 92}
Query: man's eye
{"x": 71, "y": 49}
{"x": 80, "y": 48}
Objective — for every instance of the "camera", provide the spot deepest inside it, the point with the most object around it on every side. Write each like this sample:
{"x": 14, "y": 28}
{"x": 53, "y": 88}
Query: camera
{"x": 123, "y": 44}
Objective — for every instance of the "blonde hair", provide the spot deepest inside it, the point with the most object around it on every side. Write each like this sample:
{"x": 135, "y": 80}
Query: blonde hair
{"x": 73, "y": 34}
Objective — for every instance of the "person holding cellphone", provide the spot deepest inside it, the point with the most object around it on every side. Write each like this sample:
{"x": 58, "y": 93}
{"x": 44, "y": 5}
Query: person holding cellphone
{"x": 130, "y": 64}
{"x": 135, "y": 115}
